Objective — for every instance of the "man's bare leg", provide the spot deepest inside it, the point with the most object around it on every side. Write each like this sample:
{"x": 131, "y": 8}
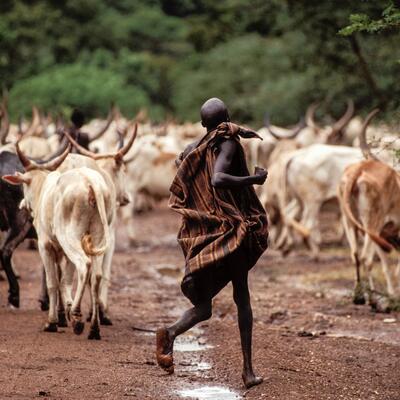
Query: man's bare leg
{"x": 241, "y": 297}
{"x": 166, "y": 336}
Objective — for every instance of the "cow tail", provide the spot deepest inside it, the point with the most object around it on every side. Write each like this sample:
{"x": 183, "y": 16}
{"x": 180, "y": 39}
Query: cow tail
{"x": 95, "y": 199}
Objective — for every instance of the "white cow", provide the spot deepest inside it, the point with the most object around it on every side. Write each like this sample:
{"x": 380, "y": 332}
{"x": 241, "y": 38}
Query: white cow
{"x": 310, "y": 176}
{"x": 70, "y": 217}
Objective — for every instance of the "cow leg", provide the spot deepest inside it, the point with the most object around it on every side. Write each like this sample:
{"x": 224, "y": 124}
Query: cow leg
{"x": 95, "y": 278}
{"x": 43, "y": 296}
{"x": 367, "y": 260}
{"x": 63, "y": 297}
{"x": 49, "y": 261}
{"x": 310, "y": 220}
{"x": 66, "y": 282}
{"x": 83, "y": 266}
{"x": 127, "y": 221}
{"x": 350, "y": 232}
{"x": 386, "y": 271}
{"x": 286, "y": 241}
{"x": 105, "y": 281}
{"x": 15, "y": 236}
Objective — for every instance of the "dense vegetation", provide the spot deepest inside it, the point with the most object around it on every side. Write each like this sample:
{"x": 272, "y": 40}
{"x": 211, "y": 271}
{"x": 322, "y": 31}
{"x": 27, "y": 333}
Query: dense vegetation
{"x": 170, "y": 55}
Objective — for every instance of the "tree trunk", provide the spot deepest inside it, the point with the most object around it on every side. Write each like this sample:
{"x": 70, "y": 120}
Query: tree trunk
{"x": 382, "y": 100}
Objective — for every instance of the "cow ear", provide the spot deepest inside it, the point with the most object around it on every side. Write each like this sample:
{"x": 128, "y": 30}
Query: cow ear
{"x": 16, "y": 179}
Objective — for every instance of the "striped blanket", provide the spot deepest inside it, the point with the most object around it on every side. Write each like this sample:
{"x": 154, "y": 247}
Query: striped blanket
{"x": 216, "y": 221}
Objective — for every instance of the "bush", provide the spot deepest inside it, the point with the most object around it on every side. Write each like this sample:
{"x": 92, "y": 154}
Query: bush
{"x": 76, "y": 85}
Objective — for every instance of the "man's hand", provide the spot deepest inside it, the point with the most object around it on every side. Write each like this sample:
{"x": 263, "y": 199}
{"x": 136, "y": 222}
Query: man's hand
{"x": 261, "y": 175}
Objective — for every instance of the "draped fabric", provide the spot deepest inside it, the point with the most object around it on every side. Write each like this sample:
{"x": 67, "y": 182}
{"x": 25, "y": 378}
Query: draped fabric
{"x": 216, "y": 221}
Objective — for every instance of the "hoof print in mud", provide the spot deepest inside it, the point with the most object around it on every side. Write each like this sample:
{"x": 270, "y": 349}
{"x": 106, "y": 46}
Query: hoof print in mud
{"x": 50, "y": 327}
{"x": 78, "y": 327}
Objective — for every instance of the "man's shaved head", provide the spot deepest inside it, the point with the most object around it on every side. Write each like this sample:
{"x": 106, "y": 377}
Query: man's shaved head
{"x": 213, "y": 112}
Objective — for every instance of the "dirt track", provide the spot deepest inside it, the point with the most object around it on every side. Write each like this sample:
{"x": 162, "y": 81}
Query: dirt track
{"x": 310, "y": 341}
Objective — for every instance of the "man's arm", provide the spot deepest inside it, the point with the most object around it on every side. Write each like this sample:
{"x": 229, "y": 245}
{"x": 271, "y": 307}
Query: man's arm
{"x": 221, "y": 177}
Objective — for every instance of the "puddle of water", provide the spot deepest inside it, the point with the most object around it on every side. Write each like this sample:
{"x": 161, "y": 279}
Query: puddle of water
{"x": 200, "y": 366}
{"x": 210, "y": 393}
{"x": 190, "y": 346}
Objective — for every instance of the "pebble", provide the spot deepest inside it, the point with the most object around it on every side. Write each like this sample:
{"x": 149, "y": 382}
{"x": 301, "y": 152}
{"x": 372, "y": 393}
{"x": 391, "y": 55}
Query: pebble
{"x": 389, "y": 320}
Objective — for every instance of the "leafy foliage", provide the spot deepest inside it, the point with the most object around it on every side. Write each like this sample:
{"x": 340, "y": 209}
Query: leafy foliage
{"x": 170, "y": 55}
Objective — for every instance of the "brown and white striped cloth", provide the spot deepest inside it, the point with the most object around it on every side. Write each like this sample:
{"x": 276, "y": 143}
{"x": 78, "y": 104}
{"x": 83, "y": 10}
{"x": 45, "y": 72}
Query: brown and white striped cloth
{"x": 216, "y": 221}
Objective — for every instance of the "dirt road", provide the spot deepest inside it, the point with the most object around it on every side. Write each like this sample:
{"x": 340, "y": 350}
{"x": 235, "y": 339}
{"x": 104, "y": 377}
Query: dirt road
{"x": 310, "y": 341}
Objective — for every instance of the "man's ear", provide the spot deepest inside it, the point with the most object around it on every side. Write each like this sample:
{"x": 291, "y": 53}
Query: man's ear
{"x": 16, "y": 179}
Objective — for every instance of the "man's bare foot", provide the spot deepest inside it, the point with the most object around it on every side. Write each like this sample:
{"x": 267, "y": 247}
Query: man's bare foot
{"x": 251, "y": 380}
{"x": 164, "y": 350}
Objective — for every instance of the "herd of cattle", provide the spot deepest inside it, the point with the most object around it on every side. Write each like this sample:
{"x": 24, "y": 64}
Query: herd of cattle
{"x": 66, "y": 185}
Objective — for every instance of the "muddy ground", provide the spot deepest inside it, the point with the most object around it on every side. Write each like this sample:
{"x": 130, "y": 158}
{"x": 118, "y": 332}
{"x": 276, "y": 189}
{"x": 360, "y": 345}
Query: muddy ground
{"x": 310, "y": 341}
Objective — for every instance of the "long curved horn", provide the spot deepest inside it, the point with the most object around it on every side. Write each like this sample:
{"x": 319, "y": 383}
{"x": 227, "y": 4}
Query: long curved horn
{"x": 35, "y": 123}
{"x": 122, "y": 152}
{"x": 25, "y": 161}
{"x": 51, "y": 165}
{"x": 110, "y": 119}
{"x": 56, "y": 162}
{"x": 344, "y": 119}
{"x": 363, "y": 135}
{"x": 310, "y": 121}
{"x": 5, "y": 121}
{"x": 119, "y": 155}
{"x": 290, "y": 133}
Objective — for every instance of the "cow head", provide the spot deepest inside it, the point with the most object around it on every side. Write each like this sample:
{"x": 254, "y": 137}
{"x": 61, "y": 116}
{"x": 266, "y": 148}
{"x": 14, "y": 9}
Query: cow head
{"x": 34, "y": 174}
{"x": 112, "y": 163}
{"x": 330, "y": 134}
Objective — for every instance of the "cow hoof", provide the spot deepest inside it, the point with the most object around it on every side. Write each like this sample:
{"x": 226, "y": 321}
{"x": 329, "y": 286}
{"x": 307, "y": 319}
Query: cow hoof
{"x": 78, "y": 327}
{"x": 50, "y": 327}
{"x": 104, "y": 319}
{"x": 89, "y": 317}
{"x": 62, "y": 320}
{"x": 358, "y": 299}
{"x": 94, "y": 334}
{"x": 13, "y": 300}
{"x": 44, "y": 305}
{"x": 358, "y": 296}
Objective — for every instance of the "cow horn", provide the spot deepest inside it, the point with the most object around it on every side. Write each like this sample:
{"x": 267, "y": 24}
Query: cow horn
{"x": 310, "y": 121}
{"x": 110, "y": 118}
{"x": 35, "y": 122}
{"x": 56, "y": 162}
{"x": 363, "y": 135}
{"x": 122, "y": 152}
{"x": 51, "y": 165}
{"x": 5, "y": 121}
{"x": 25, "y": 161}
{"x": 119, "y": 155}
{"x": 345, "y": 119}
{"x": 290, "y": 133}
